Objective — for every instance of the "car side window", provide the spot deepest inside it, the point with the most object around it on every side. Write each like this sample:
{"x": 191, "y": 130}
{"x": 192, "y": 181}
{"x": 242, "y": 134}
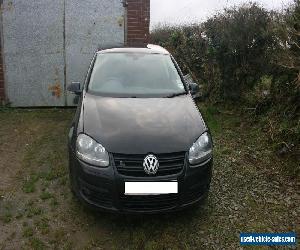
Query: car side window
{"x": 89, "y": 73}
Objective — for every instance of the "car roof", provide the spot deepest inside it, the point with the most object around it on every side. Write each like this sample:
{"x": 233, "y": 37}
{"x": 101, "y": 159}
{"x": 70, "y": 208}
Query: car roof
{"x": 149, "y": 49}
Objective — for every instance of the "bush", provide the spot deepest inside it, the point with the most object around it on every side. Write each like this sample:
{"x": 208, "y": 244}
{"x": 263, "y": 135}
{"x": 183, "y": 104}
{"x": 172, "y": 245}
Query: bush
{"x": 245, "y": 55}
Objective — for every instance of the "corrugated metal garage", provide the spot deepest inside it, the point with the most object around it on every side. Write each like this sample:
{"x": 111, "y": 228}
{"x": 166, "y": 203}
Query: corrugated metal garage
{"x": 49, "y": 43}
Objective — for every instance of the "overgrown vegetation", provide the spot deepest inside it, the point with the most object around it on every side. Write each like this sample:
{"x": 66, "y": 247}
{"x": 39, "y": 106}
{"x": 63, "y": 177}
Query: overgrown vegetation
{"x": 248, "y": 57}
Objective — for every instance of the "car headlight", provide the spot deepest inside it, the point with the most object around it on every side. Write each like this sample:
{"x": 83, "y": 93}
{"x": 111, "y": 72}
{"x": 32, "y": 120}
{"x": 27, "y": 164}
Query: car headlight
{"x": 201, "y": 149}
{"x": 90, "y": 151}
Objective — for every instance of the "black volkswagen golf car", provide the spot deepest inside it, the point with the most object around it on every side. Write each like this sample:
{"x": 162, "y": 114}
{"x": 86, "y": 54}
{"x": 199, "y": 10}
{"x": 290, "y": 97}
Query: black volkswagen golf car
{"x": 138, "y": 143}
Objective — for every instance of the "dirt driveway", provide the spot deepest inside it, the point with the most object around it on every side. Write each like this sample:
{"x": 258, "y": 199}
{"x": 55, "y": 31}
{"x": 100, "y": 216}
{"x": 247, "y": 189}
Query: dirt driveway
{"x": 250, "y": 192}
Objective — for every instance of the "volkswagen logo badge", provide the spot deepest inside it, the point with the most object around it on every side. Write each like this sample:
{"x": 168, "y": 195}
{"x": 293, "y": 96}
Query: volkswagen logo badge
{"x": 151, "y": 164}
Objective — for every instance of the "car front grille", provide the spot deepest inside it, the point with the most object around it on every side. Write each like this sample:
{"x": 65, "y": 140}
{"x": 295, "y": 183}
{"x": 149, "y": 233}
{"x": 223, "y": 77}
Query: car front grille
{"x": 149, "y": 202}
{"x": 132, "y": 165}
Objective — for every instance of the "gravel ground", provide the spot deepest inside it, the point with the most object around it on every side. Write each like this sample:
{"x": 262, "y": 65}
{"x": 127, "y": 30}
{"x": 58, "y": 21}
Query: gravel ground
{"x": 250, "y": 192}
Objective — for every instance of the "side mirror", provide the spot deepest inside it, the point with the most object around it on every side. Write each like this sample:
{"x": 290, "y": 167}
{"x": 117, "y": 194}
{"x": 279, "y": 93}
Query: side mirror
{"x": 194, "y": 89}
{"x": 74, "y": 87}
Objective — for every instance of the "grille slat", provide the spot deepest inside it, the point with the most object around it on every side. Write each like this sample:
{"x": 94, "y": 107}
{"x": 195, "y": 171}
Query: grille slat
{"x": 145, "y": 203}
{"x": 132, "y": 165}
{"x": 178, "y": 165}
{"x": 170, "y": 169}
{"x": 171, "y": 159}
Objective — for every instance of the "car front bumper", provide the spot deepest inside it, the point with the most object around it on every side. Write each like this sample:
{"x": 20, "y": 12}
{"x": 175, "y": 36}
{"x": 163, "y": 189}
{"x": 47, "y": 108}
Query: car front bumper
{"x": 104, "y": 188}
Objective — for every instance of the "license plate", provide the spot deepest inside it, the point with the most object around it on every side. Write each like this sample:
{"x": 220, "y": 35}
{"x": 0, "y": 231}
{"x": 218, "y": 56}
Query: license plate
{"x": 151, "y": 188}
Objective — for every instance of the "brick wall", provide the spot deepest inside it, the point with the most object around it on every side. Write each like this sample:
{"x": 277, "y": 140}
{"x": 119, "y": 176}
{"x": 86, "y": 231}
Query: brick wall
{"x": 138, "y": 20}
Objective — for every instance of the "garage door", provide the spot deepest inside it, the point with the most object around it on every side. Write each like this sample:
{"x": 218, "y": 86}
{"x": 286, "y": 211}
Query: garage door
{"x": 90, "y": 25}
{"x": 49, "y": 43}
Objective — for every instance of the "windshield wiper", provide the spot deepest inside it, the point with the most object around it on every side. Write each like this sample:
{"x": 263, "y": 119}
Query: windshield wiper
{"x": 176, "y": 94}
{"x": 133, "y": 96}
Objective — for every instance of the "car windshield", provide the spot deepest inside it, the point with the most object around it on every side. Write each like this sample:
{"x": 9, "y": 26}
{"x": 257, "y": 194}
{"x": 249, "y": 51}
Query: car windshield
{"x": 135, "y": 75}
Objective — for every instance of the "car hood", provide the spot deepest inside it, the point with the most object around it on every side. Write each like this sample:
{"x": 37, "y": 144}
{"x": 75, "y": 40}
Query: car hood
{"x": 142, "y": 125}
